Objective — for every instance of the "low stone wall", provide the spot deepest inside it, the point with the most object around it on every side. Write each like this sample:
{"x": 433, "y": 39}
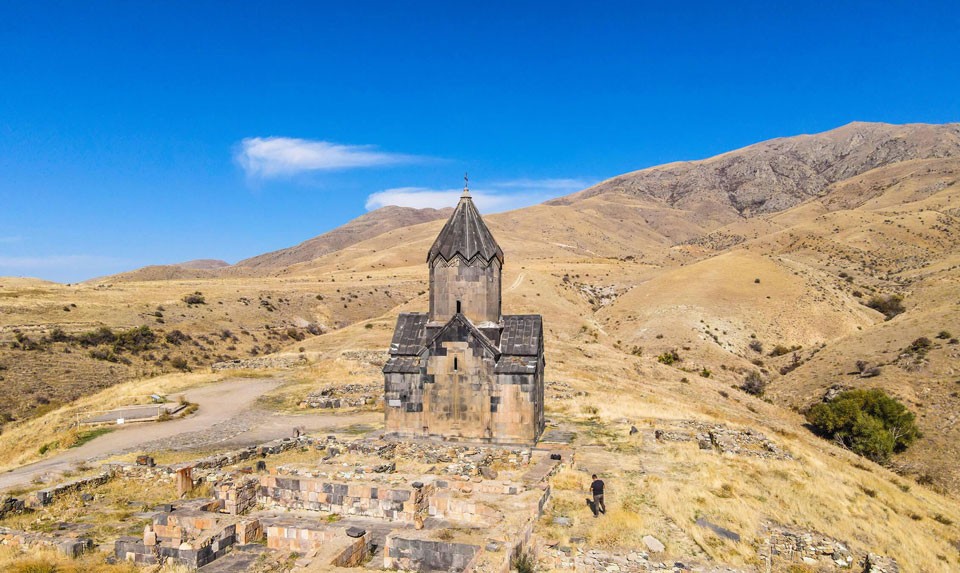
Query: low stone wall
{"x": 193, "y": 539}
{"x": 196, "y": 554}
{"x": 217, "y": 461}
{"x": 261, "y": 363}
{"x": 522, "y": 540}
{"x": 69, "y": 546}
{"x": 301, "y": 539}
{"x": 354, "y": 554}
{"x": 316, "y": 494}
{"x": 48, "y": 495}
{"x": 237, "y": 496}
{"x": 411, "y": 554}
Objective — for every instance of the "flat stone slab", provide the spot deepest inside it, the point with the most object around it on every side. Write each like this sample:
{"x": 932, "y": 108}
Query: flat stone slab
{"x": 540, "y": 471}
{"x": 134, "y": 414}
{"x": 557, "y": 437}
{"x": 239, "y": 560}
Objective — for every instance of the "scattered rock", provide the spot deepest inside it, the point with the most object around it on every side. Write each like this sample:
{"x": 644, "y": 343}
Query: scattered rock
{"x": 653, "y": 544}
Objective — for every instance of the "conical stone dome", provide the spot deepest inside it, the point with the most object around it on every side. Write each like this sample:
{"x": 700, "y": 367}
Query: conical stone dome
{"x": 465, "y": 235}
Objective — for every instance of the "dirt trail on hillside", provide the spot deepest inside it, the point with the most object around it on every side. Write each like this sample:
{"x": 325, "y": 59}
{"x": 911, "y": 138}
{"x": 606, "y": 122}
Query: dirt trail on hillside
{"x": 227, "y": 415}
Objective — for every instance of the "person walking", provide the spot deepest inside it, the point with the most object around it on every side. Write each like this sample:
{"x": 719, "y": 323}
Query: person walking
{"x": 597, "y": 489}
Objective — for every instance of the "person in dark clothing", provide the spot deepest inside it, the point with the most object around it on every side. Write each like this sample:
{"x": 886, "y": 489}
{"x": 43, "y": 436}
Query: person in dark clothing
{"x": 597, "y": 489}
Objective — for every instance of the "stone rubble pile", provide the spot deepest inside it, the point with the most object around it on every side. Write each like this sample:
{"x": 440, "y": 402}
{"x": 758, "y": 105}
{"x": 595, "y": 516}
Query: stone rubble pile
{"x": 67, "y": 545}
{"x": 724, "y": 439}
{"x": 562, "y": 390}
{"x": 370, "y": 358}
{"x": 782, "y": 544}
{"x": 594, "y": 560}
{"x": 345, "y": 396}
{"x": 10, "y": 505}
{"x": 48, "y": 495}
{"x": 261, "y": 363}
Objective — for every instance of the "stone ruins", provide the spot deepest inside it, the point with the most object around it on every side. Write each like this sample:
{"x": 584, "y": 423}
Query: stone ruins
{"x": 464, "y": 371}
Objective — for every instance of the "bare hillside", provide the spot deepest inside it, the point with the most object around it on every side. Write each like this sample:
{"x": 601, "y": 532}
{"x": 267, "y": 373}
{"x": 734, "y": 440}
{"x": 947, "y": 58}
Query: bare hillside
{"x": 778, "y": 174}
{"x": 363, "y": 227}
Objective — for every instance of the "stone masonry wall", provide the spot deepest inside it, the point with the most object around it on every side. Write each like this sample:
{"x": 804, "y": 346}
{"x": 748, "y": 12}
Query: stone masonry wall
{"x": 237, "y": 496}
{"x": 411, "y": 554}
{"x": 297, "y": 492}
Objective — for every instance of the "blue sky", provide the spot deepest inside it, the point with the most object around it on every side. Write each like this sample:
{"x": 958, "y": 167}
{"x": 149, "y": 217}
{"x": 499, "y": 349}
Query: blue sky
{"x": 136, "y": 133}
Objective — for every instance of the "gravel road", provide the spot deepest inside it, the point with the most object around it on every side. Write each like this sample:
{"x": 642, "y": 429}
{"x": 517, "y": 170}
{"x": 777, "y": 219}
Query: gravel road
{"x": 227, "y": 416}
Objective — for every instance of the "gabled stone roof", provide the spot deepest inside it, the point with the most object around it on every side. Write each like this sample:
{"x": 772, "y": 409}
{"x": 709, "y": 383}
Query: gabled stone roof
{"x": 408, "y": 337}
{"x": 516, "y": 365}
{"x": 521, "y": 334}
{"x": 465, "y": 235}
{"x": 402, "y": 365}
{"x": 461, "y": 327}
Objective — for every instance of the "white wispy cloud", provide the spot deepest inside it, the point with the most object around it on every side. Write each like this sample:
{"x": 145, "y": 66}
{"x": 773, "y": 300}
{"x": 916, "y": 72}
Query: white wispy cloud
{"x": 267, "y": 157}
{"x": 492, "y": 198}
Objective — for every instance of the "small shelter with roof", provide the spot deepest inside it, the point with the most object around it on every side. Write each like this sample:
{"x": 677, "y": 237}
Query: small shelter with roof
{"x": 464, "y": 371}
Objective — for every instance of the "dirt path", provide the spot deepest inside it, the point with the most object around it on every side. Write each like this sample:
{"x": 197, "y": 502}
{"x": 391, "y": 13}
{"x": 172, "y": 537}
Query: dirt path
{"x": 517, "y": 282}
{"x": 226, "y": 416}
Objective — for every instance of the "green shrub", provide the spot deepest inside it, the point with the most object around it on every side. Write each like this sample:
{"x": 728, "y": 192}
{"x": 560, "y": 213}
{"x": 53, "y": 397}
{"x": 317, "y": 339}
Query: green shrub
{"x": 669, "y": 357}
{"x": 195, "y": 298}
{"x": 868, "y": 422}
{"x": 135, "y": 340}
{"x": 104, "y": 354}
{"x": 102, "y": 335}
{"x": 176, "y": 337}
{"x": 523, "y": 562}
{"x": 890, "y": 305}
{"x": 754, "y": 384}
{"x": 779, "y": 350}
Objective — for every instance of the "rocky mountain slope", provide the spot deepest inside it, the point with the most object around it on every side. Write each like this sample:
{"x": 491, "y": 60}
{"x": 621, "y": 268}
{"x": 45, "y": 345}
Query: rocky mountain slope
{"x": 778, "y": 245}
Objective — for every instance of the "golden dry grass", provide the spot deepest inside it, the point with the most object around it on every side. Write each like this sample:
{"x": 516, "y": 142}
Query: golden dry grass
{"x": 887, "y": 229}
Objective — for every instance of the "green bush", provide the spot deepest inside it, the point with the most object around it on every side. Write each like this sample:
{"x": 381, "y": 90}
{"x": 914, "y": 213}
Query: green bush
{"x": 195, "y": 298}
{"x": 135, "y": 340}
{"x": 668, "y": 357}
{"x": 754, "y": 384}
{"x": 868, "y": 422}
{"x": 890, "y": 305}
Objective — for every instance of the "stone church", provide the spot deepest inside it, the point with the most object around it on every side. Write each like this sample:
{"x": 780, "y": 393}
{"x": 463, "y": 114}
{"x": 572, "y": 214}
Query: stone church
{"x": 464, "y": 371}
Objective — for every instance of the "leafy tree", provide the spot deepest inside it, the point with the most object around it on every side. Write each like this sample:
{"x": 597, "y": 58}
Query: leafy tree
{"x": 869, "y": 422}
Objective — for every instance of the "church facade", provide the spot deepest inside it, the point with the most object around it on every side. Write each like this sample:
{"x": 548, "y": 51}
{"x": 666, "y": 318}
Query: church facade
{"x": 464, "y": 371}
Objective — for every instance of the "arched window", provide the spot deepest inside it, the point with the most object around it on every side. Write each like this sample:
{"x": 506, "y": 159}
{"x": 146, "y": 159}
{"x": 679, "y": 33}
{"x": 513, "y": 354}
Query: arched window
{"x": 456, "y": 365}
{"x": 458, "y": 307}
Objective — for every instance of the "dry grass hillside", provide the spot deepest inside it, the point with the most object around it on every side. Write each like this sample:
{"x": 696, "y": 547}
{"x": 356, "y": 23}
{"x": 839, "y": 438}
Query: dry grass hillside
{"x": 763, "y": 260}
